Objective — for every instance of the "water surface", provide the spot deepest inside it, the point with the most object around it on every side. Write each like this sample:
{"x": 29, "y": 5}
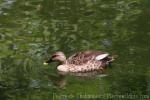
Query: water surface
{"x": 31, "y": 30}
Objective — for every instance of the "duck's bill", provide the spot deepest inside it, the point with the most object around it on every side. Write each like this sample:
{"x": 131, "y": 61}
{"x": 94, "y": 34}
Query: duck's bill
{"x": 48, "y": 61}
{"x": 45, "y": 63}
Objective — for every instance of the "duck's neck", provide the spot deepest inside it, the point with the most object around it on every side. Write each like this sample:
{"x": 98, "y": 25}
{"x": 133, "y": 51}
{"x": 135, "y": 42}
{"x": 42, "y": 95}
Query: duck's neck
{"x": 63, "y": 62}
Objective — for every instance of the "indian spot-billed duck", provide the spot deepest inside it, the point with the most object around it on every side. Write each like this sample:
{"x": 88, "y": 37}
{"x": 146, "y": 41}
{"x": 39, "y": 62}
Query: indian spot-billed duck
{"x": 86, "y": 61}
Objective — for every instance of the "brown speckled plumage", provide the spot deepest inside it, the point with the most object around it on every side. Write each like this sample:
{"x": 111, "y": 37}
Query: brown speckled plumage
{"x": 82, "y": 61}
{"x": 83, "y": 57}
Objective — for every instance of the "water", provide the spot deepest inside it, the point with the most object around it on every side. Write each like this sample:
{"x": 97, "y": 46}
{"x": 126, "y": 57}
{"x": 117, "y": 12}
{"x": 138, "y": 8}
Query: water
{"x": 31, "y": 30}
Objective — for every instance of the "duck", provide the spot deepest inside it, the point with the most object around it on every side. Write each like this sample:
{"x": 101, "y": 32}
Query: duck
{"x": 81, "y": 62}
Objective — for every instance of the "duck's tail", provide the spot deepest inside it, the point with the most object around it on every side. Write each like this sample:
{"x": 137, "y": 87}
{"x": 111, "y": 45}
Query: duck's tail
{"x": 112, "y": 58}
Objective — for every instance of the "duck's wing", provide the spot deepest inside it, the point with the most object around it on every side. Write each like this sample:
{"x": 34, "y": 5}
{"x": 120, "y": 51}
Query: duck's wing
{"x": 83, "y": 57}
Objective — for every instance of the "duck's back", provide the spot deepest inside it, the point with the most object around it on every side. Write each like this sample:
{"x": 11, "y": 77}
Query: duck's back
{"x": 87, "y": 61}
{"x": 81, "y": 58}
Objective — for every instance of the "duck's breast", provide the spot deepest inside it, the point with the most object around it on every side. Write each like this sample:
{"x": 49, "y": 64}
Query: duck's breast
{"x": 63, "y": 68}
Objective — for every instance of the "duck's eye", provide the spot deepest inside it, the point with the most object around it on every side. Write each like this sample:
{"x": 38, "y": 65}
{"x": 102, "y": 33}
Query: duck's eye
{"x": 54, "y": 56}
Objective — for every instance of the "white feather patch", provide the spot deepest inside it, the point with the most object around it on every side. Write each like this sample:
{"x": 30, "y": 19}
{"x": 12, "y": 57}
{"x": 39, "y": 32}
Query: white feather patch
{"x": 102, "y": 56}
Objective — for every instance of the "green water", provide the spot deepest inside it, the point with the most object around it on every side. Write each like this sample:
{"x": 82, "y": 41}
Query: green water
{"x": 31, "y": 30}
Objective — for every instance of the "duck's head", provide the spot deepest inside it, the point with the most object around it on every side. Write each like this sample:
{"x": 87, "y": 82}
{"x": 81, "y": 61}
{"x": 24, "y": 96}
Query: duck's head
{"x": 58, "y": 56}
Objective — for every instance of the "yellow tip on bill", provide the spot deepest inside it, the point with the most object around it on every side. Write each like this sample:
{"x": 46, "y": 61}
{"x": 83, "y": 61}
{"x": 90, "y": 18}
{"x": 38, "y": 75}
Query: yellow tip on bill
{"x": 45, "y": 63}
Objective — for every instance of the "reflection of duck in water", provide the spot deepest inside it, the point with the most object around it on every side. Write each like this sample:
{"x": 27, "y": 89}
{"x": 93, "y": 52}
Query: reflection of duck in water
{"x": 82, "y": 62}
